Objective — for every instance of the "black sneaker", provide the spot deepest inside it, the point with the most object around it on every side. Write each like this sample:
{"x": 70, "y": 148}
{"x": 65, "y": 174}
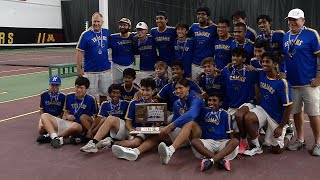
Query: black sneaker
{"x": 56, "y": 143}
{"x": 206, "y": 164}
{"x": 224, "y": 164}
{"x": 44, "y": 139}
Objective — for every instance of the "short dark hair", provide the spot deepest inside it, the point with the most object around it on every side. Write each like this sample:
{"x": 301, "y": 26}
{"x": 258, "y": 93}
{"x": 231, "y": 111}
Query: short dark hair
{"x": 148, "y": 83}
{"x": 264, "y": 16}
{"x": 215, "y": 94}
{"x": 275, "y": 56}
{"x": 184, "y": 82}
{"x": 224, "y": 20}
{"x": 240, "y": 24}
{"x": 177, "y": 63}
{"x": 239, "y": 51}
{"x": 162, "y": 13}
{"x": 129, "y": 72}
{"x": 240, "y": 14}
{"x": 262, "y": 43}
{"x": 204, "y": 9}
{"x": 182, "y": 25}
{"x": 82, "y": 81}
{"x": 114, "y": 87}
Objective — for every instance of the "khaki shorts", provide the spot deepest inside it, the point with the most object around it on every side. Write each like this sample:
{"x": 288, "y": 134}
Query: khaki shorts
{"x": 174, "y": 134}
{"x": 122, "y": 133}
{"x": 306, "y": 99}
{"x": 214, "y": 147}
{"x": 264, "y": 118}
{"x": 117, "y": 72}
{"x": 99, "y": 83}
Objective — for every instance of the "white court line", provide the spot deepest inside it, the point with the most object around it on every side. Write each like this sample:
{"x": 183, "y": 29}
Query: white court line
{"x": 48, "y": 57}
{"x": 29, "y": 96}
{"x": 3, "y": 93}
{"x": 22, "y": 74}
{"x": 21, "y": 115}
{"x": 20, "y": 69}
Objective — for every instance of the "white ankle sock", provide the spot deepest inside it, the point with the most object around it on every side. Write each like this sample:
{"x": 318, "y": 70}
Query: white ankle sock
{"x": 172, "y": 149}
{"x": 255, "y": 142}
{"x": 53, "y": 135}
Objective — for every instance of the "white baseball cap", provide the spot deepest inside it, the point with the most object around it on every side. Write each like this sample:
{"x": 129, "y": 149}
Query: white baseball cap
{"x": 142, "y": 25}
{"x": 296, "y": 14}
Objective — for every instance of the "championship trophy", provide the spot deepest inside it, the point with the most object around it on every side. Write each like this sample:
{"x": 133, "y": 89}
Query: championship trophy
{"x": 151, "y": 116}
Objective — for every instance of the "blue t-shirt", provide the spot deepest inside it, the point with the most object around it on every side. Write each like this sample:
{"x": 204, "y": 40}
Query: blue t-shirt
{"x": 275, "y": 95}
{"x": 203, "y": 40}
{"x": 186, "y": 110}
{"x": 251, "y": 34}
{"x": 128, "y": 95}
{"x": 165, "y": 43}
{"x": 222, "y": 52}
{"x": 302, "y": 67}
{"x": 78, "y": 107}
{"x": 95, "y": 52}
{"x": 122, "y": 49}
{"x": 210, "y": 84}
{"x": 184, "y": 52}
{"x": 247, "y": 45}
{"x": 215, "y": 125}
{"x": 239, "y": 86}
{"x": 148, "y": 53}
{"x": 275, "y": 39}
{"x": 52, "y": 103}
{"x": 131, "y": 116}
{"x": 168, "y": 92}
{"x": 109, "y": 109}
{"x": 160, "y": 83}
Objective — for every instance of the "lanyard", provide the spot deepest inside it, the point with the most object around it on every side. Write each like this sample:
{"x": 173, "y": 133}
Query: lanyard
{"x": 234, "y": 70}
{"x": 101, "y": 38}
{"x": 76, "y": 109}
{"x": 115, "y": 107}
{"x": 54, "y": 96}
{"x": 215, "y": 113}
{"x": 181, "y": 49}
{"x": 183, "y": 104}
{"x": 271, "y": 35}
{"x": 160, "y": 82}
{"x": 243, "y": 45}
{"x": 140, "y": 42}
{"x": 210, "y": 80}
{"x": 291, "y": 43}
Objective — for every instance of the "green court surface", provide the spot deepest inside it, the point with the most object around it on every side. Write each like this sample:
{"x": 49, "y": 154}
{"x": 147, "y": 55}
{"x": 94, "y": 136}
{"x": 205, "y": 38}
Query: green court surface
{"x": 20, "y": 86}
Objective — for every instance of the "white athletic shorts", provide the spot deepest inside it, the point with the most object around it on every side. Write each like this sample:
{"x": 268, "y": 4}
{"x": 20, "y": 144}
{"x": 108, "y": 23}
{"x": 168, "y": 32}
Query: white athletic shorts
{"x": 214, "y": 147}
{"x": 264, "y": 118}
{"x": 122, "y": 133}
{"x": 174, "y": 134}
{"x": 232, "y": 112}
{"x": 196, "y": 70}
{"x": 144, "y": 74}
{"x": 63, "y": 124}
{"x": 99, "y": 83}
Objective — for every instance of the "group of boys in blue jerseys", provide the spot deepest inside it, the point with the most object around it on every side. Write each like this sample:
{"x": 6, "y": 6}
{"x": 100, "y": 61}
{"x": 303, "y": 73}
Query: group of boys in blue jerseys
{"x": 219, "y": 89}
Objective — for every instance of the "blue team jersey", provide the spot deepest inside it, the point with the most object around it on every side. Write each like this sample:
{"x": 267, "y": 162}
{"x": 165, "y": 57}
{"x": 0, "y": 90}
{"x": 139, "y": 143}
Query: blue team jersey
{"x": 183, "y": 51}
{"x": 302, "y": 66}
{"x": 130, "y": 115}
{"x": 210, "y": 84}
{"x": 239, "y": 86}
{"x": 148, "y": 53}
{"x": 168, "y": 92}
{"x": 128, "y": 95}
{"x": 203, "y": 40}
{"x": 109, "y": 109}
{"x": 247, "y": 45}
{"x": 165, "y": 43}
{"x": 189, "y": 109}
{"x": 90, "y": 44}
{"x": 78, "y": 107}
{"x": 215, "y": 125}
{"x": 160, "y": 83}
{"x": 275, "y": 39}
{"x": 251, "y": 34}
{"x": 256, "y": 63}
{"x": 52, "y": 104}
{"x": 122, "y": 49}
{"x": 222, "y": 51}
{"x": 275, "y": 95}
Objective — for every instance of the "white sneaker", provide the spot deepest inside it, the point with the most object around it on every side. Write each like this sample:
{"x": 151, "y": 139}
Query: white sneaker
{"x": 105, "y": 143}
{"x": 254, "y": 151}
{"x": 90, "y": 147}
{"x": 164, "y": 152}
{"x": 124, "y": 153}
